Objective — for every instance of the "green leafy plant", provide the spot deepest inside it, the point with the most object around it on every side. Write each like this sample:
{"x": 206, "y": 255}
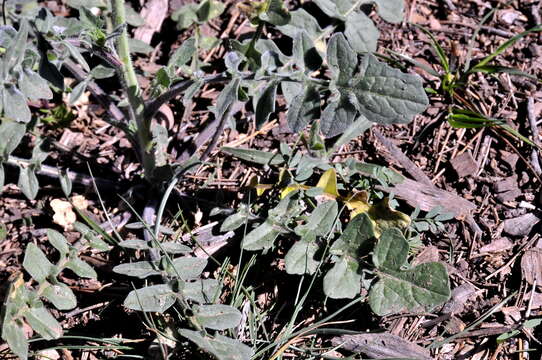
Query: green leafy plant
{"x": 25, "y": 305}
{"x": 311, "y": 214}
{"x": 352, "y": 91}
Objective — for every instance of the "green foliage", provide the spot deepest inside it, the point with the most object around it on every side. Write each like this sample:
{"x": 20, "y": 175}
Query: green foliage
{"x": 308, "y": 218}
{"x": 415, "y": 288}
{"x": 23, "y": 304}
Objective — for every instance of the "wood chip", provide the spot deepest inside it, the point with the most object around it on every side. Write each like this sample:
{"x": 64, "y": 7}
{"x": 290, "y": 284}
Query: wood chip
{"x": 497, "y": 245}
{"x": 154, "y": 13}
{"x": 464, "y": 165}
{"x": 521, "y": 225}
{"x": 381, "y": 346}
{"x": 531, "y": 266}
{"x": 459, "y": 297}
{"x": 427, "y": 197}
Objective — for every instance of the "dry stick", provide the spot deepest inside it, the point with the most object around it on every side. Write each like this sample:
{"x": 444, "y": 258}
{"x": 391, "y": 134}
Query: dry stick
{"x": 409, "y": 166}
{"x": 535, "y": 161}
{"x": 52, "y": 172}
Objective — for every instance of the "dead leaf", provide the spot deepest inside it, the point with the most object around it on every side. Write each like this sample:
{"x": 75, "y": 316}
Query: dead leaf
{"x": 381, "y": 346}
{"x": 63, "y": 213}
{"x": 80, "y": 202}
{"x": 531, "y": 266}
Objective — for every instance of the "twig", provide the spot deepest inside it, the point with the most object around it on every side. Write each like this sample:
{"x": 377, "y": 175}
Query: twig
{"x": 535, "y": 161}
{"x": 52, "y": 172}
{"x": 88, "y": 308}
{"x": 409, "y": 166}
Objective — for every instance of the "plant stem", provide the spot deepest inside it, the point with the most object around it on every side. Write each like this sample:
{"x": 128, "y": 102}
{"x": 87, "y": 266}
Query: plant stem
{"x": 137, "y": 105}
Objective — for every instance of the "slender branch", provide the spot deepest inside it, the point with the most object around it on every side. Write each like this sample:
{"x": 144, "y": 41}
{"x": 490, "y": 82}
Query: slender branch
{"x": 137, "y": 105}
{"x": 152, "y": 106}
{"x": 75, "y": 177}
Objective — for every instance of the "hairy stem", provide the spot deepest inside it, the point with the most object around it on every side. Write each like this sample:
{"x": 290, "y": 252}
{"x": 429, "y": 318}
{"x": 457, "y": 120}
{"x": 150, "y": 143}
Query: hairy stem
{"x": 137, "y": 105}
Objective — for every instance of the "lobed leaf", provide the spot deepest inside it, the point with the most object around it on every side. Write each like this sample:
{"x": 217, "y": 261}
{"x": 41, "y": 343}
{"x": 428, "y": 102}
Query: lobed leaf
{"x": 421, "y": 287}
{"x": 386, "y": 95}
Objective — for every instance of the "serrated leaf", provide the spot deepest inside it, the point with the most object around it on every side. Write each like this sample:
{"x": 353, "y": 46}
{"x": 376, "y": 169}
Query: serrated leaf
{"x": 13, "y": 333}
{"x": 389, "y": 10}
{"x": 276, "y": 13}
{"x": 61, "y": 296}
{"x": 421, "y": 287}
{"x": 304, "y": 53}
{"x": 300, "y": 258}
{"x": 201, "y": 291}
{"x": 255, "y": 156}
{"x": 58, "y": 241}
{"x": 14, "y": 104}
{"x": 188, "y": 267}
{"x": 217, "y": 317}
{"x": 81, "y": 268}
{"x": 343, "y": 280}
{"x": 11, "y": 134}
{"x": 139, "y": 269}
{"x": 338, "y": 116}
{"x": 102, "y": 72}
{"x": 223, "y": 348}
{"x": 266, "y": 104}
{"x": 361, "y": 33}
{"x": 34, "y": 86}
{"x": 262, "y": 237}
{"x": 183, "y": 54}
{"x": 386, "y": 95}
{"x": 341, "y": 59}
{"x": 156, "y": 298}
{"x": 36, "y": 263}
{"x": 43, "y": 323}
{"x": 304, "y": 108}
